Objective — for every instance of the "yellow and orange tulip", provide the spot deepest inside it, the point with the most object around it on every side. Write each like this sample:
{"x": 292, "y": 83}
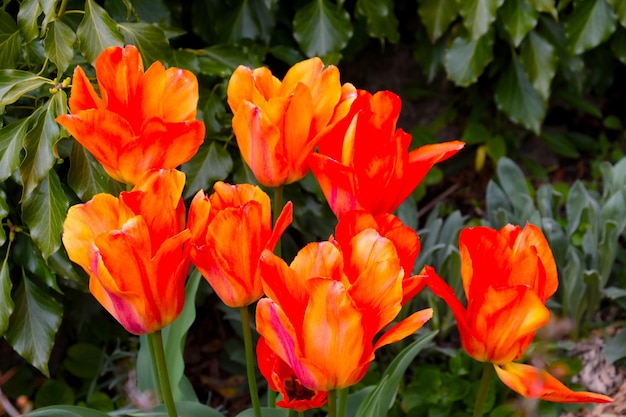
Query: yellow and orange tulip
{"x": 277, "y": 123}
{"x": 134, "y": 249}
{"x": 508, "y": 275}
{"x": 230, "y": 229}
{"x": 364, "y": 163}
{"x": 140, "y": 121}
{"x": 324, "y": 312}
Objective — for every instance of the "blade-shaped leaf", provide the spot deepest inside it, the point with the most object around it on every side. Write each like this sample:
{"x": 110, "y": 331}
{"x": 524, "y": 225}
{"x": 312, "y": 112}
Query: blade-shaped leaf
{"x": 466, "y": 59}
{"x": 620, "y": 8}
{"x": 194, "y": 409}
{"x": 546, "y": 6}
{"x": 59, "y": 44}
{"x": 11, "y": 144}
{"x": 149, "y": 39}
{"x": 86, "y": 176}
{"x": 478, "y": 15}
{"x": 381, "y": 21}
{"x": 97, "y": 31}
{"x": 437, "y": 15}
{"x": 66, "y": 411}
{"x": 15, "y": 83}
{"x": 518, "y": 18}
{"x": 320, "y": 28}
{"x": 27, "y": 19}
{"x": 517, "y": 98}
{"x": 539, "y": 60}
{"x": 10, "y": 41}
{"x": 211, "y": 163}
{"x": 6, "y": 302}
{"x": 43, "y": 211}
{"x": 591, "y": 23}
{"x": 34, "y": 323}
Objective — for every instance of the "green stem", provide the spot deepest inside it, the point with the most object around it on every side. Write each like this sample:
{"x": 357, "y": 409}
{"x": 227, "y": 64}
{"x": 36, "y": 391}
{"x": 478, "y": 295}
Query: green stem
{"x": 278, "y": 207}
{"x": 342, "y": 401}
{"x": 161, "y": 366}
{"x": 250, "y": 363}
{"x": 271, "y": 398}
{"x": 155, "y": 373}
{"x": 332, "y": 403}
{"x": 62, "y": 9}
{"x": 483, "y": 389}
{"x": 300, "y": 413}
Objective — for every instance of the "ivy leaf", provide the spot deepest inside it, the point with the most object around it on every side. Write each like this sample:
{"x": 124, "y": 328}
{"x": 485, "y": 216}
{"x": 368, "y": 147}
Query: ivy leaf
{"x": 210, "y": 164}
{"x": 618, "y": 45}
{"x": 86, "y": 176}
{"x": 43, "y": 211}
{"x": 33, "y": 324}
{"x": 381, "y": 21}
{"x": 466, "y": 59}
{"x": 15, "y": 83}
{"x": 4, "y": 212}
{"x": 539, "y": 60}
{"x": 620, "y": 8}
{"x": 49, "y": 10}
{"x": 545, "y": 6}
{"x": 149, "y": 39}
{"x": 5, "y": 282}
{"x": 478, "y": 15}
{"x": 590, "y": 24}
{"x": 320, "y": 28}
{"x": 11, "y": 144}
{"x": 59, "y": 44}
{"x": 97, "y": 31}
{"x": 222, "y": 60}
{"x": 517, "y": 98}
{"x": 437, "y": 15}
{"x": 27, "y": 19}
{"x": 10, "y": 41}
{"x": 518, "y": 19}
{"x": 250, "y": 20}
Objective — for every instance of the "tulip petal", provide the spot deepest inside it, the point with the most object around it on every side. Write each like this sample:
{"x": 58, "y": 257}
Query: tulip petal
{"x": 319, "y": 259}
{"x": 119, "y": 71}
{"x": 405, "y": 328}
{"x": 536, "y": 383}
{"x": 336, "y": 182}
{"x": 181, "y": 88}
{"x": 83, "y": 96}
{"x": 304, "y": 72}
{"x": 199, "y": 217}
{"x": 297, "y": 136}
{"x": 227, "y": 195}
{"x": 531, "y": 236}
{"x": 282, "y": 222}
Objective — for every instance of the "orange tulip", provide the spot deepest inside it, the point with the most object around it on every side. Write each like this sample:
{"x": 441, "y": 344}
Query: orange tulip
{"x": 277, "y": 123}
{"x": 134, "y": 250}
{"x": 230, "y": 229}
{"x": 364, "y": 162}
{"x": 324, "y": 311}
{"x": 141, "y": 121}
{"x": 508, "y": 275}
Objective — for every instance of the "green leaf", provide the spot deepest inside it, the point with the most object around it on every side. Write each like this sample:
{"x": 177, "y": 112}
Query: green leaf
{"x": 590, "y": 24}
{"x": 518, "y": 18}
{"x": 27, "y": 19}
{"x": 192, "y": 409}
{"x": 620, "y": 8}
{"x": 66, "y": 411}
{"x": 248, "y": 20}
{"x": 86, "y": 175}
{"x": 381, "y": 21}
{"x": 4, "y": 212}
{"x": 211, "y": 163}
{"x": 478, "y": 15}
{"x": 6, "y": 302}
{"x": 222, "y": 60}
{"x": 44, "y": 211}
{"x": 59, "y": 44}
{"x": 615, "y": 348}
{"x": 517, "y": 98}
{"x": 466, "y": 59}
{"x": 49, "y": 10}
{"x": 265, "y": 412}
{"x": 11, "y": 144}
{"x": 546, "y": 6}
{"x": 539, "y": 60}
{"x": 149, "y": 39}
{"x": 15, "y": 83}
{"x": 54, "y": 392}
{"x": 97, "y": 31}
{"x": 34, "y": 323}
{"x": 27, "y": 255}
{"x": 380, "y": 400}
{"x": 321, "y": 28}
{"x": 10, "y": 41}
{"x": 618, "y": 44}
{"x": 84, "y": 360}
{"x": 437, "y": 15}
{"x": 560, "y": 144}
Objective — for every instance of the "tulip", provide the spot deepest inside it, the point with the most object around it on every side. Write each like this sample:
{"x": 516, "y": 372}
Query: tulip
{"x": 364, "y": 163}
{"x": 325, "y": 311}
{"x": 230, "y": 229}
{"x": 508, "y": 275}
{"x": 277, "y": 123}
{"x": 140, "y": 121}
{"x": 134, "y": 249}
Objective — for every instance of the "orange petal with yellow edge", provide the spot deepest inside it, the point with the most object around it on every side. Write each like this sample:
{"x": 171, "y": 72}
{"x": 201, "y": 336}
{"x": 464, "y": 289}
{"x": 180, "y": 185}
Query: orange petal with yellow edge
{"x": 405, "y": 328}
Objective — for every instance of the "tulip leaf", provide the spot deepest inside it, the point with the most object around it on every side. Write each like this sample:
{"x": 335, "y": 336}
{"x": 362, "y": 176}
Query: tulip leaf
{"x": 382, "y": 397}
{"x": 66, "y": 411}
{"x": 27, "y": 19}
{"x": 97, "y": 31}
{"x": 11, "y": 143}
{"x": 466, "y": 59}
{"x": 591, "y": 23}
{"x": 5, "y": 289}
{"x": 620, "y": 8}
{"x": 34, "y": 323}
{"x": 43, "y": 211}
{"x": 517, "y": 98}
{"x": 478, "y": 15}
{"x": 546, "y": 6}
{"x": 189, "y": 409}
{"x": 265, "y": 412}
{"x": 149, "y": 39}
{"x": 10, "y": 41}
{"x": 321, "y": 28}
{"x": 437, "y": 15}
{"x": 15, "y": 83}
{"x": 539, "y": 60}
{"x": 86, "y": 176}
{"x": 210, "y": 164}
{"x": 518, "y": 18}
{"x": 59, "y": 44}
{"x": 381, "y": 21}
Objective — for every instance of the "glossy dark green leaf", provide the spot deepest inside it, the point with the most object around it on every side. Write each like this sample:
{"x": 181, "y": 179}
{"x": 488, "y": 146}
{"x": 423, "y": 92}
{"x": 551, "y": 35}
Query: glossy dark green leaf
{"x": 539, "y": 60}
{"x": 66, "y": 411}
{"x": 27, "y": 19}
{"x": 44, "y": 211}
{"x": 620, "y": 9}
{"x": 430, "y": 57}
{"x": 10, "y": 41}
{"x": 11, "y": 144}
{"x": 381, "y": 21}
{"x": 34, "y": 323}
{"x": 97, "y": 31}
{"x": 212, "y": 163}
{"x": 546, "y": 6}
{"x": 247, "y": 19}
{"x": 54, "y": 392}
{"x": 321, "y": 28}
{"x": 518, "y": 18}
{"x": 560, "y": 144}
{"x": 221, "y": 60}
{"x": 59, "y": 44}
{"x": 190, "y": 409}
{"x": 466, "y": 59}
{"x": 86, "y": 176}
{"x": 591, "y": 23}
{"x": 49, "y": 10}
{"x": 6, "y": 302}
{"x": 516, "y": 97}
{"x": 15, "y": 83}
{"x": 27, "y": 255}
{"x": 437, "y": 15}
{"x": 149, "y": 39}
{"x": 618, "y": 44}
{"x": 478, "y": 15}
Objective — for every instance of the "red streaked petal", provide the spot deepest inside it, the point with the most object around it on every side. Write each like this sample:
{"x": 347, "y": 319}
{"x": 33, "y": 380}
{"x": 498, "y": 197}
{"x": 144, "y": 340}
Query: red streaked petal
{"x": 532, "y": 236}
{"x": 83, "y": 96}
{"x": 282, "y": 222}
{"x": 337, "y": 183}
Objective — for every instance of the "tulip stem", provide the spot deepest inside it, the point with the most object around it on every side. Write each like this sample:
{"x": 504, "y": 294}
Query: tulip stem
{"x": 278, "y": 206}
{"x": 342, "y": 401}
{"x": 332, "y": 403}
{"x": 250, "y": 364}
{"x": 483, "y": 389}
{"x": 271, "y": 398}
{"x": 161, "y": 366}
